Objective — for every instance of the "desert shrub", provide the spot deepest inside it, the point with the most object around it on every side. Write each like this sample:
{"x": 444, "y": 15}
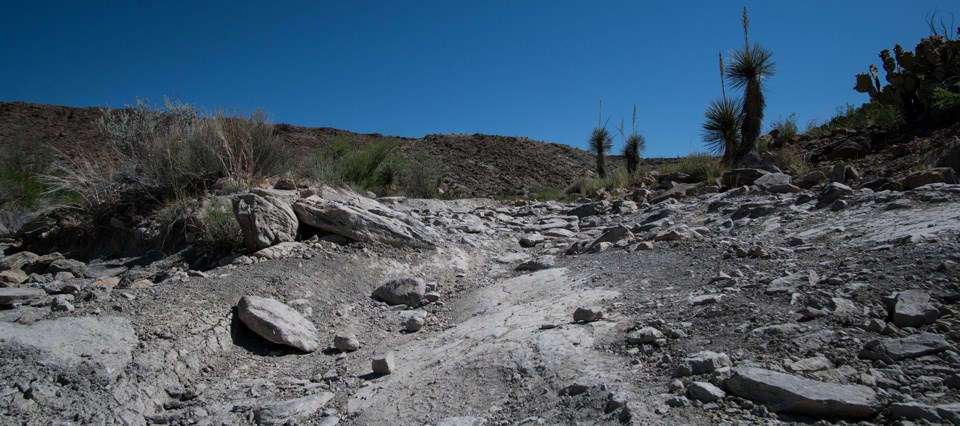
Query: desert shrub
{"x": 154, "y": 154}
{"x": 423, "y": 177}
{"x": 793, "y": 160}
{"x": 786, "y": 129}
{"x": 547, "y": 193}
{"x": 218, "y": 229}
{"x": 377, "y": 166}
{"x": 22, "y": 163}
{"x": 617, "y": 178}
{"x": 702, "y": 166}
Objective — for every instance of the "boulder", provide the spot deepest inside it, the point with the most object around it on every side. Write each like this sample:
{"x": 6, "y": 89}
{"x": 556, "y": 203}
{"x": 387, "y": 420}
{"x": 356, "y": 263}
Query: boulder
{"x": 771, "y": 181}
{"x": 912, "y": 308}
{"x": 278, "y": 323}
{"x": 101, "y": 346}
{"x": 346, "y": 342}
{"x": 784, "y": 393}
{"x": 12, "y": 277}
{"x": 925, "y": 177}
{"x": 832, "y": 192}
{"x": 290, "y": 411}
{"x": 812, "y": 178}
{"x": 264, "y": 220}
{"x": 741, "y": 177}
{"x": 401, "y": 291}
{"x": 613, "y": 235}
{"x": 364, "y": 220}
{"x": 891, "y": 350}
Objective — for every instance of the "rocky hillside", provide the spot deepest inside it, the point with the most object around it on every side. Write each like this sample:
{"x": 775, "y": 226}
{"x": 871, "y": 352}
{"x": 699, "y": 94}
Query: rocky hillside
{"x": 471, "y": 165}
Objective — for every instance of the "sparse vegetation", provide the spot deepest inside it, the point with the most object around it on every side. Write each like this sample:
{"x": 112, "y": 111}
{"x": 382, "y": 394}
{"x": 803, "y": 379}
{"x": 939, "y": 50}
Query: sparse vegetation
{"x": 22, "y": 163}
{"x": 156, "y": 153}
{"x": 702, "y": 166}
{"x": 218, "y": 229}
{"x": 377, "y": 166}
{"x": 786, "y": 129}
{"x": 857, "y": 118}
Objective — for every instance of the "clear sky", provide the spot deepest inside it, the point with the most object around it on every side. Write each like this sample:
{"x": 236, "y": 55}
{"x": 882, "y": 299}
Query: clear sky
{"x": 534, "y": 68}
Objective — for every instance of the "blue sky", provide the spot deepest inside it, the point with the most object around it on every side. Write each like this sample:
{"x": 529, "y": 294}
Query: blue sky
{"x": 534, "y": 68}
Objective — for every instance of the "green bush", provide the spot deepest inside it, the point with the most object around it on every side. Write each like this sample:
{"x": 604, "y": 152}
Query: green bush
{"x": 377, "y": 166}
{"x": 786, "y": 128}
{"x": 701, "y": 166}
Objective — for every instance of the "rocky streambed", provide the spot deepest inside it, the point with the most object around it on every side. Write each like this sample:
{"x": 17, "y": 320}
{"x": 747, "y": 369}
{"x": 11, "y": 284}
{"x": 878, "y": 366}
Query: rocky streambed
{"x": 758, "y": 305}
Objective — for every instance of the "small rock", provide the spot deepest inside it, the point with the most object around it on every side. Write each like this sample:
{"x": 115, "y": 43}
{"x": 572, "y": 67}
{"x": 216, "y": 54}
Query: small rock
{"x": 61, "y": 304}
{"x": 538, "y": 263}
{"x": 431, "y": 296}
{"x": 817, "y": 363}
{"x": 705, "y": 299}
{"x": 587, "y": 314}
{"x": 705, "y": 392}
{"x": 531, "y": 240}
{"x": 414, "y": 323}
{"x": 346, "y": 342}
{"x": 645, "y": 335}
{"x": 383, "y": 364}
{"x": 10, "y": 296}
{"x": 832, "y": 192}
{"x": 703, "y": 362}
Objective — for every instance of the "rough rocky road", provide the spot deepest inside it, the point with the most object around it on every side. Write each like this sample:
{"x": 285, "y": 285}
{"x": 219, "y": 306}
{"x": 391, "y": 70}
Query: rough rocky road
{"x": 741, "y": 307}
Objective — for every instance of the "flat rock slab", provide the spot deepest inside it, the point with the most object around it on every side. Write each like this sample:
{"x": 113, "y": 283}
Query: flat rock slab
{"x": 890, "y": 350}
{"x": 101, "y": 345}
{"x": 294, "y": 409}
{"x": 11, "y": 295}
{"x": 784, "y": 393}
{"x": 278, "y": 323}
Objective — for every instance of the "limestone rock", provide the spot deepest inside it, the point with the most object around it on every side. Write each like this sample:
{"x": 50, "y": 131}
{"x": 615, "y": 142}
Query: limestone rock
{"x": 9, "y": 296}
{"x": 705, "y": 392}
{"x": 278, "y": 323}
{"x": 784, "y": 393}
{"x": 264, "y": 220}
{"x": 912, "y": 308}
{"x": 17, "y": 260}
{"x": 832, "y": 192}
{"x": 98, "y": 345}
{"x": 401, "y": 291}
{"x": 364, "y": 220}
{"x": 703, "y": 362}
{"x": 12, "y": 277}
{"x": 346, "y": 342}
{"x": 890, "y": 350}
{"x": 531, "y": 240}
{"x": 645, "y": 335}
{"x": 383, "y": 364}
{"x": 294, "y": 409}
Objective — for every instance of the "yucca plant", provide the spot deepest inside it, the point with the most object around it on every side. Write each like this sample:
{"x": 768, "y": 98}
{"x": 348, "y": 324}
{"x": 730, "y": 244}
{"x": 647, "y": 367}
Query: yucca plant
{"x": 721, "y": 130}
{"x": 633, "y": 144}
{"x": 600, "y": 144}
{"x": 748, "y": 68}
